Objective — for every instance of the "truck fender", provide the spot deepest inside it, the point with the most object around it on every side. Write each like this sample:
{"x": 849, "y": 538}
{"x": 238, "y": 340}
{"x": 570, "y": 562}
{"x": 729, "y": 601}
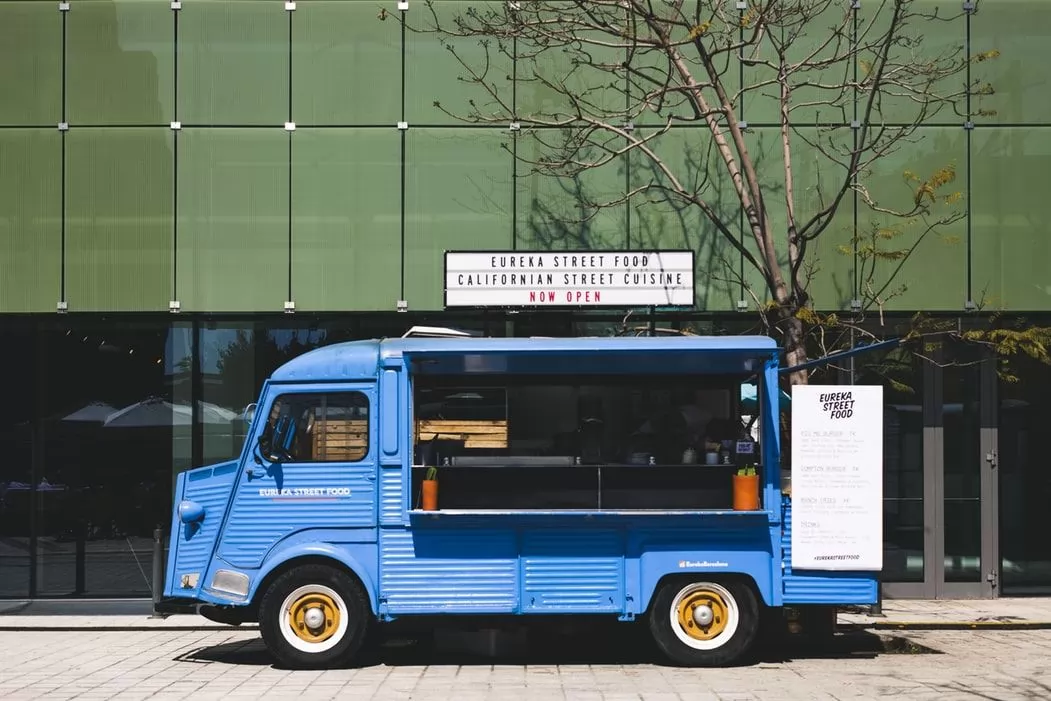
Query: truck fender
{"x": 752, "y": 564}
{"x": 342, "y": 554}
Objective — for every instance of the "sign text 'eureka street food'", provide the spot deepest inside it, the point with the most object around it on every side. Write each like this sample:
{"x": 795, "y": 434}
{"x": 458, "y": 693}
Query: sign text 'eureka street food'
{"x": 606, "y": 278}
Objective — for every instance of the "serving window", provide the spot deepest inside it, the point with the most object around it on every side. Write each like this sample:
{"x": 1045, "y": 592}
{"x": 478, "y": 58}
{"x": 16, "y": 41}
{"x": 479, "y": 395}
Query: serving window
{"x": 580, "y": 442}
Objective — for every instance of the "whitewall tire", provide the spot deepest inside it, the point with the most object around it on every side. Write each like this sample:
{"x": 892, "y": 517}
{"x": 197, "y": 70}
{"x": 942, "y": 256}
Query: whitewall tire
{"x": 704, "y": 623}
{"x": 314, "y": 616}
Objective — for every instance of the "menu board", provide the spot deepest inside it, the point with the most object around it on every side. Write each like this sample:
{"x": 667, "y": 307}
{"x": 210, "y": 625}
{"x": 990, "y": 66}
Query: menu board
{"x": 837, "y": 477}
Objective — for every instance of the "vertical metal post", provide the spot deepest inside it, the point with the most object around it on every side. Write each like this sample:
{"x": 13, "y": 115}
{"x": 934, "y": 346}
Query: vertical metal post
{"x": 158, "y": 571}
{"x": 80, "y": 584}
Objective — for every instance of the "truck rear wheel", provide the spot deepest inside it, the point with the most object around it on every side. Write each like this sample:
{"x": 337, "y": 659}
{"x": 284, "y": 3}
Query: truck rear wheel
{"x": 314, "y": 616}
{"x": 704, "y": 623}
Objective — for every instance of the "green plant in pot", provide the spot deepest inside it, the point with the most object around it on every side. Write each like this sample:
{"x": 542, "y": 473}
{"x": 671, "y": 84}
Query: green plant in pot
{"x": 429, "y": 489}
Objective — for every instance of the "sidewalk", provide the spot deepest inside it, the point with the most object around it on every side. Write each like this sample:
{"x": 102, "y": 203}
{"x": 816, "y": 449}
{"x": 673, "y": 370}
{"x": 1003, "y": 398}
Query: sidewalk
{"x": 897, "y": 614}
{"x": 980, "y": 613}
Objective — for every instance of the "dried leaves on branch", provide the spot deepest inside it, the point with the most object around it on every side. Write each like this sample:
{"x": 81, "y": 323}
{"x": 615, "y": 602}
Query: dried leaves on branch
{"x": 760, "y": 130}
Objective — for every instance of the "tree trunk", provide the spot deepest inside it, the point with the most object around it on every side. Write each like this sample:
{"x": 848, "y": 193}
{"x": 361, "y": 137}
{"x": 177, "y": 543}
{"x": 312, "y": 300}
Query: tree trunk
{"x": 795, "y": 348}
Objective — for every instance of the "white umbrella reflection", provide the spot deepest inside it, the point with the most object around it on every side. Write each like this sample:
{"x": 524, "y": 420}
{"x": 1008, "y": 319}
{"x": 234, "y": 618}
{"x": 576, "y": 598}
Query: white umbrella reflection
{"x": 159, "y": 412}
{"x": 94, "y": 412}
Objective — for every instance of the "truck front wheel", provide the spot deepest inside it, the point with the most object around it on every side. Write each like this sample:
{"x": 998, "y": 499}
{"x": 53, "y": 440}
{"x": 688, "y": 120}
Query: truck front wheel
{"x": 704, "y": 623}
{"x": 314, "y": 616}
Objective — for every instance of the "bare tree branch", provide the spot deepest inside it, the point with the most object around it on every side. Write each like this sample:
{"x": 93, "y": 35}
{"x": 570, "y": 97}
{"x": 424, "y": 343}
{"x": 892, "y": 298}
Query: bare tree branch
{"x": 599, "y": 83}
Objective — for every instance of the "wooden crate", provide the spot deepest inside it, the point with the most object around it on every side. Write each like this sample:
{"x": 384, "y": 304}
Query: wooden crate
{"x": 340, "y": 439}
{"x": 474, "y": 433}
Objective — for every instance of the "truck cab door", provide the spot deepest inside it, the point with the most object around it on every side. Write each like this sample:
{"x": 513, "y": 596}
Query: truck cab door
{"x": 310, "y": 463}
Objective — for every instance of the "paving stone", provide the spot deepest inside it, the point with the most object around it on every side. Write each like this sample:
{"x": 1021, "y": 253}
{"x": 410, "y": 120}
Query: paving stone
{"x": 133, "y": 665}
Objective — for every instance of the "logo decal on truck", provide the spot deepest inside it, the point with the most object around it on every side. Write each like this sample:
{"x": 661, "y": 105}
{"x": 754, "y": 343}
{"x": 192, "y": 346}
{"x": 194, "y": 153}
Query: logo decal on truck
{"x": 305, "y": 493}
{"x": 683, "y": 564}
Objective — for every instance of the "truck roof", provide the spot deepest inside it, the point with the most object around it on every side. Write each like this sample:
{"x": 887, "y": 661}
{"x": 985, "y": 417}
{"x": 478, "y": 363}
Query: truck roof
{"x": 488, "y": 355}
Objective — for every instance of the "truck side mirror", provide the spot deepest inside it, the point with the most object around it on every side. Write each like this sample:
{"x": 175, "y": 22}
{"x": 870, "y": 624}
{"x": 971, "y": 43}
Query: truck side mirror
{"x": 248, "y": 414}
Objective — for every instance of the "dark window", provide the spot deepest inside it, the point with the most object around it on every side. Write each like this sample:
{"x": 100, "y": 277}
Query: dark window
{"x": 318, "y": 427}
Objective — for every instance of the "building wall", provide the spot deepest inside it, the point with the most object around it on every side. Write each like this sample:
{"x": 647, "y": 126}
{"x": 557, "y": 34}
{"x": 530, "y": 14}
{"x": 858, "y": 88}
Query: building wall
{"x": 232, "y": 213}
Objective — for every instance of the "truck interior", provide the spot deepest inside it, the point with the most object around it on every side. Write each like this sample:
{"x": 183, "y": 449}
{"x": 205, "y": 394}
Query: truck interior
{"x": 646, "y": 424}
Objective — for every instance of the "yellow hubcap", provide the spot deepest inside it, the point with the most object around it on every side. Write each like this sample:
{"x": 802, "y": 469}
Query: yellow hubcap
{"x": 703, "y": 615}
{"x": 314, "y": 617}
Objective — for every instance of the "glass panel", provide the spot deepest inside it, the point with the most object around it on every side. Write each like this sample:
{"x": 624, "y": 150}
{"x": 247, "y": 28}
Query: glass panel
{"x": 934, "y": 37}
{"x": 1020, "y": 30}
{"x": 16, "y": 471}
{"x": 559, "y": 80}
{"x": 817, "y": 178}
{"x": 235, "y": 360}
{"x": 662, "y": 220}
{"x": 346, "y": 64}
{"x": 233, "y": 63}
{"x": 1011, "y": 227}
{"x": 434, "y": 75}
{"x": 31, "y": 72}
{"x": 963, "y": 465}
{"x": 121, "y": 63}
{"x": 30, "y": 219}
{"x": 569, "y": 213}
{"x": 458, "y": 197}
{"x": 346, "y": 216}
{"x": 179, "y": 371}
{"x": 228, "y": 364}
{"x": 901, "y": 375}
{"x": 820, "y": 55}
{"x": 233, "y": 219}
{"x": 108, "y": 462}
{"x": 119, "y": 219}
{"x": 934, "y": 275}
{"x": 1025, "y": 481}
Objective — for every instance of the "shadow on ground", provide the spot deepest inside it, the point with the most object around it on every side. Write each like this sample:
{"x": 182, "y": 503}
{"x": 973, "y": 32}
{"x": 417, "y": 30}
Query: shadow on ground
{"x": 620, "y": 644}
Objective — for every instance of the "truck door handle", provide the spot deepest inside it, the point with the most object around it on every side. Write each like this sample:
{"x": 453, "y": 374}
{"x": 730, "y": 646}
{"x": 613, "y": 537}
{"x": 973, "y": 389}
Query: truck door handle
{"x": 252, "y": 473}
{"x": 371, "y": 477}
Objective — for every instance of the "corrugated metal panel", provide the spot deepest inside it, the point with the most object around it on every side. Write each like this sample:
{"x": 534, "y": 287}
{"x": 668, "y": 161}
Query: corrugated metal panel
{"x": 572, "y": 571}
{"x": 823, "y": 587}
{"x": 806, "y": 589}
{"x": 192, "y": 554}
{"x": 259, "y": 519}
{"x": 462, "y": 570}
{"x": 392, "y": 506}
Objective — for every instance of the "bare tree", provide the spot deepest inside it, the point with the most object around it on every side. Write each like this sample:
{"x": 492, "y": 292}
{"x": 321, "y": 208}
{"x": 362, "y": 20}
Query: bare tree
{"x": 618, "y": 75}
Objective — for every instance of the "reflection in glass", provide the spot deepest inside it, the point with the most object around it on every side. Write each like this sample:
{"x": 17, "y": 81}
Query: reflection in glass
{"x": 962, "y": 475}
{"x": 179, "y": 367}
{"x": 227, "y": 363}
{"x": 900, "y": 374}
{"x": 16, "y": 469}
{"x": 105, "y": 480}
{"x": 1025, "y": 480}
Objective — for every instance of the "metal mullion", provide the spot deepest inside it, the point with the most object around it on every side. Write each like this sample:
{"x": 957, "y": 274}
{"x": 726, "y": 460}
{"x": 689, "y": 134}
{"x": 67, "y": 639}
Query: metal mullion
{"x": 990, "y": 482}
{"x": 933, "y": 479}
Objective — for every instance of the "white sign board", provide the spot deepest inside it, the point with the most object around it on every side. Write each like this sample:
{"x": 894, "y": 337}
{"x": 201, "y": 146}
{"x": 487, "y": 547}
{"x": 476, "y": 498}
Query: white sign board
{"x": 569, "y": 279}
{"x": 837, "y": 477}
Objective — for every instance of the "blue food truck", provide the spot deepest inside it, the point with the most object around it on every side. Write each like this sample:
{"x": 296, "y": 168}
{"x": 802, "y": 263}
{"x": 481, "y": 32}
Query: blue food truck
{"x": 489, "y": 477}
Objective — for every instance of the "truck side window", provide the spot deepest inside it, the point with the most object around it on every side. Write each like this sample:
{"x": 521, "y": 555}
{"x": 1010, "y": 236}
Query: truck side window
{"x": 319, "y": 427}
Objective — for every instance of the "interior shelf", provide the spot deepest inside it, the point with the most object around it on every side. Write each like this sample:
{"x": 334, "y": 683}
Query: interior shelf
{"x": 659, "y": 488}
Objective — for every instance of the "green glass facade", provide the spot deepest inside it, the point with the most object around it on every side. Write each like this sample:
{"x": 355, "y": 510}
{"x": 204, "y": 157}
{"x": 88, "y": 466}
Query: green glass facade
{"x": 235, "y": 155}
{"x": 232, "y": 212}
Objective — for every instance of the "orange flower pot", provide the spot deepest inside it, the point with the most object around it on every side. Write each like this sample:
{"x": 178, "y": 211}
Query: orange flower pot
{"x": 746, "y": 493}
{"x": 430, "y": 495}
